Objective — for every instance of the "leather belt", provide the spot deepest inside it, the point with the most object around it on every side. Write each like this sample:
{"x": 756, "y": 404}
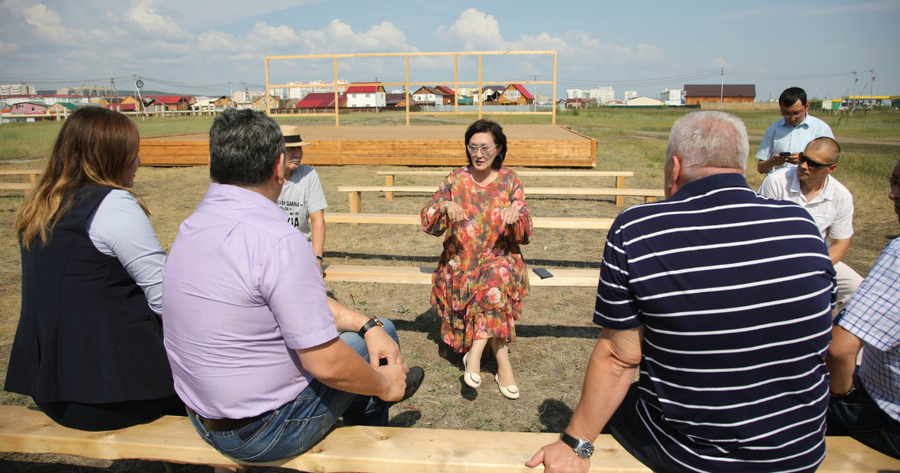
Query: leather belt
{"x": 221, "y": 425}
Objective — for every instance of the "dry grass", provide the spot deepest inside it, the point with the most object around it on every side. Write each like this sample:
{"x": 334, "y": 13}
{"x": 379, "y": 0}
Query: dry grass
{"x": 556, "y": 334}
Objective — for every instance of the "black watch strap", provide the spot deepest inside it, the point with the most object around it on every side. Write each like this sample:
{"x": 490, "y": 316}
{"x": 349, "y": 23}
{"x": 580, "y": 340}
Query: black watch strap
{"x": 372, "y": 323}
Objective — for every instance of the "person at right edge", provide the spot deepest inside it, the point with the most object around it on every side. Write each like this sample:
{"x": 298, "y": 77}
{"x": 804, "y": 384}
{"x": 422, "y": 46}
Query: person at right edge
{"x": 729, "y": 330}
{"x": 866, "y": 405}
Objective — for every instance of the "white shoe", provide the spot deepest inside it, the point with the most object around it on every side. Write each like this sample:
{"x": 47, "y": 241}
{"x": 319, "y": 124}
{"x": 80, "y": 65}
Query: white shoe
{"x": 473, "y": 380}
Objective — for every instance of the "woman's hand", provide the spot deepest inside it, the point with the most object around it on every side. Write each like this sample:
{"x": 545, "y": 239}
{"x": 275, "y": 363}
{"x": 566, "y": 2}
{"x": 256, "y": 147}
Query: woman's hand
{"x": 510, "y": 215}
{"x": 454, "y": 211}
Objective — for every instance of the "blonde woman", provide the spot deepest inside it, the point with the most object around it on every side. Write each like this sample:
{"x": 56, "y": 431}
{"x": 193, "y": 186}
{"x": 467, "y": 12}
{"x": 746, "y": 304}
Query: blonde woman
{"x": 89, "y": 348}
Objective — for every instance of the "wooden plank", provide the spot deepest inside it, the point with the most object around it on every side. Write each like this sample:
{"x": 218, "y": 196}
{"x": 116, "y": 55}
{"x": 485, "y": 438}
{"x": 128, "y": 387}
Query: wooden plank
{"x": 603, "y": 191}
{"x": 422, "y": 275}
{"x": 17, "y": 186}
{"x": 359, "y": 448}
{"x": 616, "y": 174}
{"x": 586, "y": 223}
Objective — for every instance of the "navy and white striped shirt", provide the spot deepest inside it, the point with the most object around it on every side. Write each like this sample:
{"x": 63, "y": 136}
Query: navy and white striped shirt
{"x": 735, "y": 294}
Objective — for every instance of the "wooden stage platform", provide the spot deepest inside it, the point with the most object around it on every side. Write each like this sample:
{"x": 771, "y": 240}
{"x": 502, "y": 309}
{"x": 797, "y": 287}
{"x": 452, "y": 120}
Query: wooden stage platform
{"x": 423, "y": 145}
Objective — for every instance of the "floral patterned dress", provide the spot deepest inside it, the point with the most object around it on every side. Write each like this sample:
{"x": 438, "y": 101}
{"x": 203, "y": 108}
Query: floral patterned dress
{"x": 480, "y": 279}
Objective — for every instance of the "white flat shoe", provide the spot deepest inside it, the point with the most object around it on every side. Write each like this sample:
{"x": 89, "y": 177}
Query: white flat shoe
{"x": 473, "y": 380}
{"x": 509, "y": 392}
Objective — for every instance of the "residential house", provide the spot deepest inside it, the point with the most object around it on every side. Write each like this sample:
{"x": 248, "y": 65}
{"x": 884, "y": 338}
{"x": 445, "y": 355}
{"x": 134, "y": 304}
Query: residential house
{"x": 223, "y": 102}
{"x": 694, "y": 94}
{"x": 368, "y": 95}
{"x": 516, "y": 94}
{"x": 398, "y": 101}
{"x": 321, "y": 101}
{"x": 643, "y": 101}
{"x": 447, "y": 93}
{"x": 260, "y": 103}
{"x": 28, "y": 108}
{"x": 175, "y": 102}
{"x": 64, "y": 109}
{"x": 427, "y": 95}
{"x": 489, "y": 94}
{"x": 580, "y": 103}
{"x": 466, "y": 100}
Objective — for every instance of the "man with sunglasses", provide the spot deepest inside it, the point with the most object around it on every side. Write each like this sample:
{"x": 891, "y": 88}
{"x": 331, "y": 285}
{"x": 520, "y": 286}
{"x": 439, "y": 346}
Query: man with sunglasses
{"x": 785, "y": 138}
{"x": 812, "y": 185}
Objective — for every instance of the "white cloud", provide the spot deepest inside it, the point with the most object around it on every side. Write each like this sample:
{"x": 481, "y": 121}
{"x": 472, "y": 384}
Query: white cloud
{"x": 273, "y": 35}
{"x": 6, "y": 47}
{"x": 718, "y": 61}
{"x": 476, "y": 30}
{"x": 143, "y": 14}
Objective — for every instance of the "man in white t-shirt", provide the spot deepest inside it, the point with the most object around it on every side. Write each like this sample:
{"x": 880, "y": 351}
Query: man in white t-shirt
{"x": 302, "y": 196}
{"x": 811, "y": 185}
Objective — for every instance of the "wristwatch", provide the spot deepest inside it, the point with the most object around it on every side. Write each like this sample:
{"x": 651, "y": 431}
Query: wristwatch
{"x": 372, "y": 323}
{"x": 583, "y": 448}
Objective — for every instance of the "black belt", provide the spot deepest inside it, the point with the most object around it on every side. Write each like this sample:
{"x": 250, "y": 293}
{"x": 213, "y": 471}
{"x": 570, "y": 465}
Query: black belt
{"x": 221, "y": 425}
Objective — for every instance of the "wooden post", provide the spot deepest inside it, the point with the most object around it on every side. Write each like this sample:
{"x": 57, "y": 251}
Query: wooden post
{"x": 389, "y": 181}
{"x": 355, "y": 202}
{"x": 649, "y": 199}
{"x": 456, "y": 82}
{"x": 268, "y": 107}
{"x": 554, "y": 89}
{"x": 620, "y": 184}
{"x": 337, "y": 101}
{"x": 406, "y": 87}
{"x": 480, "y": 87}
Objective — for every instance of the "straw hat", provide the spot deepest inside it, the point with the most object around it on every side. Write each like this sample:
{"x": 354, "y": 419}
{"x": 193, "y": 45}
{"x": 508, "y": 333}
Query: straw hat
{"x": 292, "y": 136}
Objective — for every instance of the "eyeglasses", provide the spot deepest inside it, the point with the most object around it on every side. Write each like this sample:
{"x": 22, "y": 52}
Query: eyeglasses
{"x": 810, "y": 163}
{"x": 473, "y": 150}
{"x": 796, "y": 114}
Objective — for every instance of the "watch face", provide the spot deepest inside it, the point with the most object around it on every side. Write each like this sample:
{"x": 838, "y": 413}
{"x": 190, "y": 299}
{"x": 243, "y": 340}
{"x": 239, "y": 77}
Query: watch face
{"x": 584, "y": 449}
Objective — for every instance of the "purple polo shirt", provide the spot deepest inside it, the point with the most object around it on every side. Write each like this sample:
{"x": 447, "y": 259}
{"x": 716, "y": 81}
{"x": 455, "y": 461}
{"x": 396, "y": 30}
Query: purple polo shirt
{"x": 242, "y": 291}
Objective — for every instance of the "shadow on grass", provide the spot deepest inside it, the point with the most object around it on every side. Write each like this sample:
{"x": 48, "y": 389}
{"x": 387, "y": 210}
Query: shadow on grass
{"x": 428, "y": 323}
{"x": 555, "y": 415}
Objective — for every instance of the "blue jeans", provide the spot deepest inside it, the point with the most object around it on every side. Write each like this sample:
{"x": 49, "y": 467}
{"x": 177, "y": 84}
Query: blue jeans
{"x": 298, "y": 425}
{"x": 858, "y": 416}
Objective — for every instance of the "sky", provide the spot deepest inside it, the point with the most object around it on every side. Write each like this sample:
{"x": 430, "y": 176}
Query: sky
{"x": 206, "y": 47}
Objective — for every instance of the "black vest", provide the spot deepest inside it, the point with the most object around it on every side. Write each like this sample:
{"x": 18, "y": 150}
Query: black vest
{"x": 86, "y": 333}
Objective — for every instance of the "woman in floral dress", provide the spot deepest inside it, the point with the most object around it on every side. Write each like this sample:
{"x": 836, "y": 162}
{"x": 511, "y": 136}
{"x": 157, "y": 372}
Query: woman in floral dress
{"x": 480, "y": 280}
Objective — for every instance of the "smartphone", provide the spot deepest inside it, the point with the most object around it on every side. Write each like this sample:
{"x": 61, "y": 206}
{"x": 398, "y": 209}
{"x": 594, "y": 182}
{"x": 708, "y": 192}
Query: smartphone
{"x": 543, "y": 273}
{"x": 785, "y": 154}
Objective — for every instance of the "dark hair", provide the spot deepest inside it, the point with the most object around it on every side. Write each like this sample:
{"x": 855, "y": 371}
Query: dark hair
{"x": 791, "y": 95}
{"x": 482, "y": 126}
{"x": 244, "y": 146}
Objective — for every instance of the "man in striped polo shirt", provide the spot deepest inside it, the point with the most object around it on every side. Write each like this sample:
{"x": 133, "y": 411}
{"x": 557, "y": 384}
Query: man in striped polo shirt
{"x": 723, "y": 300}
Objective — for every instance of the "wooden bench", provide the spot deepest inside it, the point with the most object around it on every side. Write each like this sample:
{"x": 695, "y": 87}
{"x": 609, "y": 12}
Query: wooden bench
{"x": 31, "y": 173}
{"x": 619, "y": 175}
{"x": 411, "y": 219}
{"x": 362, "y": 449}
{"x": 422, "y": 275}
{"x": 20, "y": 186}
{"x": 649, "y": 195}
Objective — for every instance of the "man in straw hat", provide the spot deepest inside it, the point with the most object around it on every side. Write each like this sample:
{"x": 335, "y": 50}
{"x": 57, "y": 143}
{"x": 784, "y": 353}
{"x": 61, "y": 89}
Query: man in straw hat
{"x": 302, "y": 197}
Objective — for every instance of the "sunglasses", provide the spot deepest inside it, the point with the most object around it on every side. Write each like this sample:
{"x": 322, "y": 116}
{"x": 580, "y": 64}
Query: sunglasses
{"x": 810, "y": 163}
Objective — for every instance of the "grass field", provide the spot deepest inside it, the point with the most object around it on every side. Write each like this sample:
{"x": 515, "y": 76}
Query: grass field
{"x": 555, "y": 333}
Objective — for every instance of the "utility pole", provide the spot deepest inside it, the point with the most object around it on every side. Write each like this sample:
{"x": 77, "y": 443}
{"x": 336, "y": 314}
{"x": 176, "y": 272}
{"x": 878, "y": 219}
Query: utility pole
{"x": 722, "y": 88}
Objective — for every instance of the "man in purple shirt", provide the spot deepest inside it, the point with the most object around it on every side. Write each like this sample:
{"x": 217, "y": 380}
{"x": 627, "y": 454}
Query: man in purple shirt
{"x": 262, "y": 358}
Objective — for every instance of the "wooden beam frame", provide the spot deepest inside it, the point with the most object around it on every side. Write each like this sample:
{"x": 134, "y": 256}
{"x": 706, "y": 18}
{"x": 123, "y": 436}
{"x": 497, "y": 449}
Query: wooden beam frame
{"x": 407, "y": 83}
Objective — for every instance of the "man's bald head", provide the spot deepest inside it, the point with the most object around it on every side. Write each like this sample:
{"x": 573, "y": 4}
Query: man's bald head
{"x": 826, "y": 149}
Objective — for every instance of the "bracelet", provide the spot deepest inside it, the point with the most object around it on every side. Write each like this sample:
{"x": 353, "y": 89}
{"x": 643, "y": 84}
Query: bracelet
{"x": 372, "y": 323}
{"x": 319, "y": 258}
{"x": 851, "y": 391}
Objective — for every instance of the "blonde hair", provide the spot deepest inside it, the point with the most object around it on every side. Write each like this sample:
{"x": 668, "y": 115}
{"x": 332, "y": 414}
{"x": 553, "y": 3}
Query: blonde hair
{"x": 94, "y": 146}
